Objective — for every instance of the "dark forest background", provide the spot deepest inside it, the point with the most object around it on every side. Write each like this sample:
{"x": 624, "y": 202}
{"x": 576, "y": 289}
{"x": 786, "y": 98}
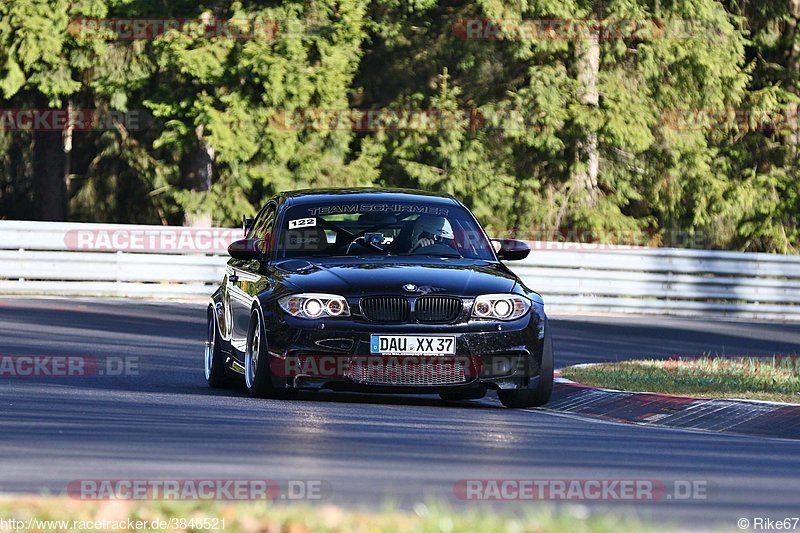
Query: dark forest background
{"x": 605, "y": 133}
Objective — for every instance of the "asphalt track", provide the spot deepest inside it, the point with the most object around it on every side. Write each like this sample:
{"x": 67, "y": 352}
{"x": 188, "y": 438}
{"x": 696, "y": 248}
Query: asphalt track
{"x": 164, "y": 423}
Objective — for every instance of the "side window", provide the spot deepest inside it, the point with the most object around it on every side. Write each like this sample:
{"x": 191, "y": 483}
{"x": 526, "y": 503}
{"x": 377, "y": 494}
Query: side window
{"x": 266, "y": 223}
{"x": 263, "y": 222}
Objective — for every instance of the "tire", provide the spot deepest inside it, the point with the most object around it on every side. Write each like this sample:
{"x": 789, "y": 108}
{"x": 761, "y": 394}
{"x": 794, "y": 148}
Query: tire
{"x": 257, "y": 373}
{"x": 472, "y": 394}
{"x": 216, "y": 375}
{"x": 521, "y": 398}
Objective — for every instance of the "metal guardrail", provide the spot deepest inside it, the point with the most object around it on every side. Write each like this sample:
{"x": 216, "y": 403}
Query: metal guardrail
{"x": 664, "y": 281}
{"x": 75, "y": 259}
{"x": 44, "y": 258}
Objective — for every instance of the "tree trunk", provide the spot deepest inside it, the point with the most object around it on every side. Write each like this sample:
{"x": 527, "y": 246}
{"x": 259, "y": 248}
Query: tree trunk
{"x": 587, "y": 159}
{"x": 49, "y": 174}
{"x": 793, "y": 64}
{"x": 197, "y": 171}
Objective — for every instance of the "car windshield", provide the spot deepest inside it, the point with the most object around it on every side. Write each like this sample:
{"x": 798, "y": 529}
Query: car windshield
{"x": 369, "y": 229}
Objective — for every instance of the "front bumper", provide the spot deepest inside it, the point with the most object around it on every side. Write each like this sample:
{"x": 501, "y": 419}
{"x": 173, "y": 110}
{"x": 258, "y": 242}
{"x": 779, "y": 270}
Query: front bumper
{"x": 335, "y": 354}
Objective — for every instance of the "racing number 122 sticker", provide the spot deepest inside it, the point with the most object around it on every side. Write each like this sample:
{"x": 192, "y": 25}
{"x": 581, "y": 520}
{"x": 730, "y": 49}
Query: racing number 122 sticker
{"x": 302, "y": 223}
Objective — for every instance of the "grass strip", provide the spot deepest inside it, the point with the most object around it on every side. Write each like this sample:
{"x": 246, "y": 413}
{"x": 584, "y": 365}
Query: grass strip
{"x": 46, "y": 512}
{"x": 757, "y": 378}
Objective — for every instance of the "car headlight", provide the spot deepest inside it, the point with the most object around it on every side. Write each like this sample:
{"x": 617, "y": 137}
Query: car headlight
{"x": 315, "y": 305}
{"x": 500, "y": 306}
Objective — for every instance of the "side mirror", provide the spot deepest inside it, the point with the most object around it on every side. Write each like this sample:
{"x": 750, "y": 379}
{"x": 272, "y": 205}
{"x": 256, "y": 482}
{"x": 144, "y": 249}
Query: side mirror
{"x": 247, "y": 249}
{"x": 511, "y": 249}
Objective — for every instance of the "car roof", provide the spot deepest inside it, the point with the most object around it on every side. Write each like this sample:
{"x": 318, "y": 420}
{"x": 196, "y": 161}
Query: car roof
{"x": 366, "y": 194}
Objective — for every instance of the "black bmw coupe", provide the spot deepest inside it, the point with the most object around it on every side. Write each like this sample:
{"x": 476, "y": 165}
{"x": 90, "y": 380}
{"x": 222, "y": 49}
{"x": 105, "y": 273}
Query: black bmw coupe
{"x": 377, "y": 290}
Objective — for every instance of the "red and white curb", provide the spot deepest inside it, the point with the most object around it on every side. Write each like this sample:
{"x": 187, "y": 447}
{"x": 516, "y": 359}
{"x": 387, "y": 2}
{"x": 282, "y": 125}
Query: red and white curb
{"x": 745, "y": 417}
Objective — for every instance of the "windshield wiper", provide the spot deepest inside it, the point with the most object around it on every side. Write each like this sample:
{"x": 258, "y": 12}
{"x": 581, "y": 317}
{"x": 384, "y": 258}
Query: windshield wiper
{"x": 414, "y": 254}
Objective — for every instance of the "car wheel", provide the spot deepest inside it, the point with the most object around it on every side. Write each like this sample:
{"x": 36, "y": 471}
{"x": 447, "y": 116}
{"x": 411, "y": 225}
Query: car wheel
{"x": 257, "y": 372}
{"x": 471, "y": 394}
{"x": 214, "y": 358}
{"x": 257, "y": 378}
{"x": 539, "y": 396}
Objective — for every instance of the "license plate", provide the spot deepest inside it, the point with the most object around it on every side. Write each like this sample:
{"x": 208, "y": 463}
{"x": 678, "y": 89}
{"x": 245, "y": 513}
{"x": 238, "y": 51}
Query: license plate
{"x": 412, "y": 345}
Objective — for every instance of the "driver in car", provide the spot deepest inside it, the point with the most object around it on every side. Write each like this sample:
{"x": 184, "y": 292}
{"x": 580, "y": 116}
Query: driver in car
{"x": 430, "y": 230}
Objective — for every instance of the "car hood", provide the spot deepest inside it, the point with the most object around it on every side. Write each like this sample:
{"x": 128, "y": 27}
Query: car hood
{"x": 462, "y": 277}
